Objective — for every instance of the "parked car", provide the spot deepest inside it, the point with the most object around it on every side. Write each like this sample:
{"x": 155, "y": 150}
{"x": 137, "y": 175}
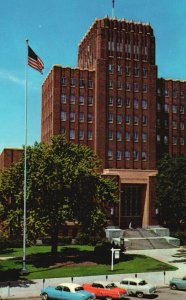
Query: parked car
{"x": 103, "y": 289}
{"x": 178, "y": 283}
{"x": 67, "y": 291}
{"x": 137, "y": 286}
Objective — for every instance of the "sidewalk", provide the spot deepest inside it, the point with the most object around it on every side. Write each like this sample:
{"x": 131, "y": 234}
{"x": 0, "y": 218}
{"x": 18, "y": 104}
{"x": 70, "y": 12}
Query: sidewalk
{"x": 175, "y": 257}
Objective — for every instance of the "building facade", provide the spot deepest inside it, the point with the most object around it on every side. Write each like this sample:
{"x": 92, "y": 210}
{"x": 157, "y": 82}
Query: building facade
{"x": 9, "y": 156}
{"x": 114, "y": 103}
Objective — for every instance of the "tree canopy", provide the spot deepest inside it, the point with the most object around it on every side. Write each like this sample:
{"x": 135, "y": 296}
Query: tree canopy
{"x": 171, "y": 191}
{"x": 63, "y": 183}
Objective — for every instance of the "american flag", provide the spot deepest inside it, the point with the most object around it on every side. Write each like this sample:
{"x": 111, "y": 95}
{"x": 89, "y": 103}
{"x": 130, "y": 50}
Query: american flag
{"x": 34, "y": 61}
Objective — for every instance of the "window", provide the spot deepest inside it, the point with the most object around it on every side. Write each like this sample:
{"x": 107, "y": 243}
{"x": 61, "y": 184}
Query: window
{"x": 110, "y": 68}
{"x": 182, "y": 94}
{"x": 118, "y": 102}
{"x": 136, "y": 136}
{"x": 72, "y": 81}
{"x": 81, "y": 100}
{"x": 158, "y": 106}
{"x": 110, "y": 101}
{"x": 135, "y": 87}
{"x": 174, "y": 109}
{"x": 174, "y": 124}
{"x": 158, "y": 91}
{"x": 63, "y": 98}
{"x": 63, "y": 130}
{"x": 144, "y": 87}
{"x": 118, "y": 119}
{"x": 144, "y": 72}
{"x": 174, "y": 140}
{"x": 63, "y": 80}
{"x": 81, "y": 83}
{"x": 166, "y": 93}
{"x": 72, "y": 99}
{"x": 110, "y": 134}
{"x": 118, "y": 84}
{"x": 181, "y": 109}
{"x": 90, "y": 100}
{"x": 144, "y": 120}
{"x": 89, "y": 134}
{"x": 110, "y": 84}
{"x": 118, "y": 155}
{"x": 90, "y": 84}
{"x": 72, "y": 116}
{"x": 144, "y": 136}
{"x": 135, "y": 120}
{"x": 135, "y": 155}
{"x": 110, "y": 154}
{"x": 136, "y": 71}
{"x": 127, "y": 136}
{"x": 166, "y": 123}
{"x": 81, "y": 116}
{"x": 174, "y": 93}
{"x": 135, "y": 103}
{"x": 127, "y": 102}
{"x": 165, "y": 139}
{"x": 127, "y": 86}
{"x": 158, "y": 138}
{"x": 63, "y": 116}
{"x": 127, "y": 70}
{"x": 182, "y": 126}
{"x": 110, "y": 118}
{"x": 72, "y": 134}
{"x": 144, "y": 104}
{"x": 158, "y": 122}
{"x": 143, "y": 155}
{"x": 181, "y": 141}
{"x": 118, "y": 136}
{"x": 127, "y": 119}
{"x": 127, "y": 155}
{"x": 119, "y": 69}
{"x": 89, "y": 117}
{"x": 81, "y": 134}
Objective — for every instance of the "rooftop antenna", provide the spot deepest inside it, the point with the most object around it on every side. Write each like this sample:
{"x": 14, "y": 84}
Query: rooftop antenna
{"x": 113, "y": 8}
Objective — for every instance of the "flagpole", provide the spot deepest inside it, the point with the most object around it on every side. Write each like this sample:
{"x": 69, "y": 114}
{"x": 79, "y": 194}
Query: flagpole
{"x": 113, "y": 8}
{"x": 24, "y": 270}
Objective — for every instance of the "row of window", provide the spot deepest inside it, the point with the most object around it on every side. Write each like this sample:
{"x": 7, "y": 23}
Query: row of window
{"x": 127, "y": 120}
{"x": 80, "y": 133}
{"x": 174, "y": 93}
{"x": 127, "y": 102}
{"x": 175, "y": 140}
{"x": 128, "y": 49}
{"x": 175, "y": 108}
{"x": 128, "y": 86}
{"x": 74, "y": 81}
{"x": 127, "y": 136}
{"x": 127, "y": 155}
{"x": 128, "y": 70}
{"x": 81, "y": 116}
{"x": 175, "y": 124}
{"x": 81, "y": 99}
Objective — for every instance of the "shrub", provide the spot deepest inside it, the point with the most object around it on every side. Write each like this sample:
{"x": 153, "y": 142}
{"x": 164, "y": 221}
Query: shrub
{"x": 6, "y": 243}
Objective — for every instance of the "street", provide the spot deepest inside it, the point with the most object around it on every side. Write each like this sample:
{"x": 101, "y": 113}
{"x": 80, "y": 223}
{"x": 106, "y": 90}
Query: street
{"x": 162, "y": 294}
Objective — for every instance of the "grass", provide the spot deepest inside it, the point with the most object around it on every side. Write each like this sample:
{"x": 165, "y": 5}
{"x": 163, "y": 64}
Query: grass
{"x": 72, "y": 261}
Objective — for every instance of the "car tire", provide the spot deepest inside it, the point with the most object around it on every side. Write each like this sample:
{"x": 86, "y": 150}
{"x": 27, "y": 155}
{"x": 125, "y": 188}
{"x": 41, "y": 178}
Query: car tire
{"x": 45, "y": 296}
{"x": 139, "y": 294}
{"x": 173, "y": 287}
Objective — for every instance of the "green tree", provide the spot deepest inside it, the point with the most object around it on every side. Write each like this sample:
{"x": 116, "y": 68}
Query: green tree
{"x": 62, "y": 184}
{"x": 171, "y": 191}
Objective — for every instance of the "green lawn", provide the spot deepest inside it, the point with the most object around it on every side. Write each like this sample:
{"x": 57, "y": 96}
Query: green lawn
{"x": 71, "y": 263}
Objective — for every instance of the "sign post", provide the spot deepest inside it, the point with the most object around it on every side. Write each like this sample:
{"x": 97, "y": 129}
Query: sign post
{"x": 115, "y": 253}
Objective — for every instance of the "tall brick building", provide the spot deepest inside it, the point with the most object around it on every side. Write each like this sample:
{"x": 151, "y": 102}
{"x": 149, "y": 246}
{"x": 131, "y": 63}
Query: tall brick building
{"x": 114, "y": 103}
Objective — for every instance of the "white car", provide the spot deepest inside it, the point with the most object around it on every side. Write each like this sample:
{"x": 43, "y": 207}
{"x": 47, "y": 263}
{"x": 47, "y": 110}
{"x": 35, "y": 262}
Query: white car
{"x": 137, "y": 286}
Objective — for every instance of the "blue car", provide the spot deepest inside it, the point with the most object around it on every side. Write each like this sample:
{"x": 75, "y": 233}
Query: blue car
{"x": 66, "y": 291}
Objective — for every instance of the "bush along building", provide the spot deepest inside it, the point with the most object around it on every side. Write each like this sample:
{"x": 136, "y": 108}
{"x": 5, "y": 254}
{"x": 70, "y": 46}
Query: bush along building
{"x": 114, "y": 103}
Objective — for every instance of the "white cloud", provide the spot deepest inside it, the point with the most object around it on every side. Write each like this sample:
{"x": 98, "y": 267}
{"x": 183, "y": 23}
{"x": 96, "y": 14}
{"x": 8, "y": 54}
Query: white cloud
{"x": 9, "y": 76}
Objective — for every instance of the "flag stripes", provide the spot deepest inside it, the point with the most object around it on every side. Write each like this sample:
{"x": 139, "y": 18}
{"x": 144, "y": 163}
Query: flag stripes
{"x": 35, "y": 61}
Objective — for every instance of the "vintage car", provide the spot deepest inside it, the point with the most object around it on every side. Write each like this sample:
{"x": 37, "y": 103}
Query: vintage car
{"x": 103, "y": 289}
{"x": 67, "y": 291}
{"x": 178, "y": 283}
{"x": 136, "y": 286}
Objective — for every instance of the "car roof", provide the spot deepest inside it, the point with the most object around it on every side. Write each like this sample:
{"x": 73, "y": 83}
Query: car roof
{"x": 69, "y": 284}
{"x": 101, "y": 282}
{"x": 132, "y": 279}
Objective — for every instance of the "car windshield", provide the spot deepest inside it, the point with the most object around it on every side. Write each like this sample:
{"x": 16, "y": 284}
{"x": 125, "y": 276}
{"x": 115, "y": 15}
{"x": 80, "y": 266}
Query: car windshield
{"x": 111, "y": 285}
{"x": 79, "y": 288}
{"x": 143, "y": 282}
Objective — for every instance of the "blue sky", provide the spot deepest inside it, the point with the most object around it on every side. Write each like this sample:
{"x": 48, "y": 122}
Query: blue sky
{"x": 54, "y": 29}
